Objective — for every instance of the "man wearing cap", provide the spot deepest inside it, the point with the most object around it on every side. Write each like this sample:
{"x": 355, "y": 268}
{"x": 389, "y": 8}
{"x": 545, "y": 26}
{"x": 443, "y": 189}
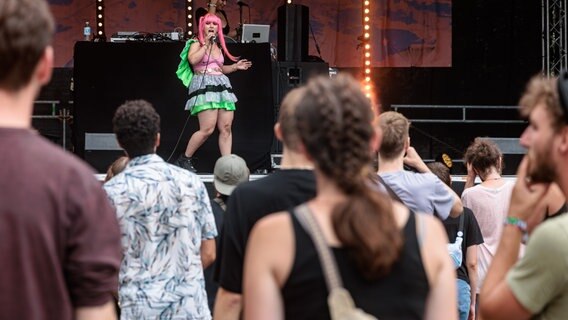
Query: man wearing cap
{"x": 229, "y": 171}
{"x": 535, "y": 286}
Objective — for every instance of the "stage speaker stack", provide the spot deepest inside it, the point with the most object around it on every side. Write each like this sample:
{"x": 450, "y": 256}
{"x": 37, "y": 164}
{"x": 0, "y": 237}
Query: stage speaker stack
{"x": 293, "y": 28}
{"x": 292, "y": 68}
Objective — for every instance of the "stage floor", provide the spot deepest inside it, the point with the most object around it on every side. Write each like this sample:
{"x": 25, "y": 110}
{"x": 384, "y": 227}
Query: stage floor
{"x": 458, "y": 181}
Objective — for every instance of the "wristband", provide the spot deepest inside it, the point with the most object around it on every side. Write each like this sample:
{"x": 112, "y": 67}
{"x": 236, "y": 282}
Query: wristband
{"x": 212, "y": 4}
{"x": 521, "y": 224}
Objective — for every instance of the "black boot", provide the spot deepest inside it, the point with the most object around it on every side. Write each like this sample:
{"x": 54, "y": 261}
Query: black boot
{"x": 186, "y": 163}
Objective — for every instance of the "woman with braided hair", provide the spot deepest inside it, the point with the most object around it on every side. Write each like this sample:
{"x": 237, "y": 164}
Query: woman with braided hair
{"x": 379, "y": 246}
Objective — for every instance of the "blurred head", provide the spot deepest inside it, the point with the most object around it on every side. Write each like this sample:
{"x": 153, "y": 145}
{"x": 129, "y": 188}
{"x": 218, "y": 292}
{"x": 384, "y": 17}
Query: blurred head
{"x": 334, "y": 119}
{"x": 484, "y": 156}
{"x": 395, "y": 129}
{"x": 542, "y": 91}
{"x": 229, "y": 171}
{"x": 137, "y": 128}
{"x": 286, "y": 128}
{"x": 441, "y": 171}
{"x": 116, "y": 167}
{"x": 26, "y": 32}
{"x": 543, "y": 136}
{"x": 209, "y": 23}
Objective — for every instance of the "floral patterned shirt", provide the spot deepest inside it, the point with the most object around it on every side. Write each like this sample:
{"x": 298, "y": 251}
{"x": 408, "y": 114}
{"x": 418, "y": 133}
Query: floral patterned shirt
{"x": 164, "y": 213}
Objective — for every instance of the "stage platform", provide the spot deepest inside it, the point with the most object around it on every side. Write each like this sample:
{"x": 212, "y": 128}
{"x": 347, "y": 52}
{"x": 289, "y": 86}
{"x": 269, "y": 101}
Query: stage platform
{"x": 458, "y": 181}
{"x": 206, "y": 178}
{"x": 103, "y": 79}
{"x": 108, "y": 74}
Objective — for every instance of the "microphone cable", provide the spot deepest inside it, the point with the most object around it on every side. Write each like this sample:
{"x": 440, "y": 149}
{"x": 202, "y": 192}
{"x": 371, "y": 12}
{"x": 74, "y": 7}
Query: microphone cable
{"x": 315, "y": 40}
{"x": 194, "y": 102}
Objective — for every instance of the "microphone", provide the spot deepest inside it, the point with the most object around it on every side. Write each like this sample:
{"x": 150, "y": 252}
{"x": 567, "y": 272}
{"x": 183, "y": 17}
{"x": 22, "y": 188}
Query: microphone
{"x": 213, "y": 39}
{"x": 242, "y": 4}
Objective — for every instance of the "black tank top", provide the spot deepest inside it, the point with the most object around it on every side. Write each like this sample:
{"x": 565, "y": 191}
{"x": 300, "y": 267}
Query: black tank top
{"x": 561, "y": 211}
{"x": 400, "y": 295}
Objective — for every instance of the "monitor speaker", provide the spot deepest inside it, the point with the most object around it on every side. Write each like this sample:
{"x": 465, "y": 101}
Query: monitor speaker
{"x": 293, "y": 24}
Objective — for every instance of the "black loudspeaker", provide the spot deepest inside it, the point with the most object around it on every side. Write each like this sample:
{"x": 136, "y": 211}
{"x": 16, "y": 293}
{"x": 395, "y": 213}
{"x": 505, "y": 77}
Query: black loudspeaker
{"x": 287, "y": 76}
{"x": 293, "y": 24}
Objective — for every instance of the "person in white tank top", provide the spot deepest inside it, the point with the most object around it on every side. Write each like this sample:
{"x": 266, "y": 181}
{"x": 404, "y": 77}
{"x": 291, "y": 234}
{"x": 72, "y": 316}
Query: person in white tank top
{"x": 489, "y": 200}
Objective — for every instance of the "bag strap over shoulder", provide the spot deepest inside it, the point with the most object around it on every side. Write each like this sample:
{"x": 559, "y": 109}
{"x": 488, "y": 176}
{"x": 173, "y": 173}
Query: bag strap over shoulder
{"x": 340, "y": 303}
{"x": 308, "y": 221}
{"x": 221, "y": 203}
{"x": 390, "y": 191}
{"x": 460, "y": 228}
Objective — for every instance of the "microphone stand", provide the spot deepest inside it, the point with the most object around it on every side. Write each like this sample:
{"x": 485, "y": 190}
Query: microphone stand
{"x": 315, "y": 41}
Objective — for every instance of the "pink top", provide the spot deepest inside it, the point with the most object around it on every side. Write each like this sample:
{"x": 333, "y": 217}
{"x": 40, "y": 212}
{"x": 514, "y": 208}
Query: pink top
{"x": 210, "y": 65}
{"x": 490, "y": 207}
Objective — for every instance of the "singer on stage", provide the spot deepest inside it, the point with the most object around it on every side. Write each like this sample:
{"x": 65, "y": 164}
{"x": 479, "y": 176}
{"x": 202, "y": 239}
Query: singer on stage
{"x": 211, "y": 95}
{"x": 216, "y": 7}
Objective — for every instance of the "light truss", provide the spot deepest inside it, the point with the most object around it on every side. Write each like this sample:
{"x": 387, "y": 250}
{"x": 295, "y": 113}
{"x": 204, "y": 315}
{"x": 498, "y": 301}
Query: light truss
{"x": 554, "y": 41}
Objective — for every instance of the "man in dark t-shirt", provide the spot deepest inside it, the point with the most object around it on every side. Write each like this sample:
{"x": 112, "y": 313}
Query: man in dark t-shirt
{"x": 251, "y": 201}
{"x": 59, "y": 238}
{"x": 248, "y": 204}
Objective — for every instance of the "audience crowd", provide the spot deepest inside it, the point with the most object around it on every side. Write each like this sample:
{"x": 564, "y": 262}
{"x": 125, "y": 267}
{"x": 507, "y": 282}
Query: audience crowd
{"x": 327, "y": 236}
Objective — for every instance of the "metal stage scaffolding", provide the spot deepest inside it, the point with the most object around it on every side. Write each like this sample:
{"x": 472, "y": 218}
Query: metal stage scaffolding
{"x": 554, "y": 40}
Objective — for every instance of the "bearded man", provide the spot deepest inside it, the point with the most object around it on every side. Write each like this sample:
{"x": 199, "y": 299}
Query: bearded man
{"x": 535, "y": 286}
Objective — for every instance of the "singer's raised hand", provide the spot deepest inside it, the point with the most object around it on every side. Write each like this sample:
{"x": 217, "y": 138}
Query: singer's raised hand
{"x": 243, "y": 64}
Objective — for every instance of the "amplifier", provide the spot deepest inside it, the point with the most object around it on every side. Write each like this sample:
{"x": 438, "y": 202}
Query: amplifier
{"x": 174, "y": 36}
{"x": 122, "y": 39}
{"x": 124, "y": 36}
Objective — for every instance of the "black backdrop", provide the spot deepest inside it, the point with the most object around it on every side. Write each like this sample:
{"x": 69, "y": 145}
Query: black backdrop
{"x": 496, "y": 48}
{"x": 108, "y": 74}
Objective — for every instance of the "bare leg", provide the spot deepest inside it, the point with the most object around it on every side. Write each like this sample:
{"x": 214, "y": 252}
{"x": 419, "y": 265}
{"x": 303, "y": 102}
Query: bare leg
{"x": 224, "y": 123}
{"x": 207, "y": 120}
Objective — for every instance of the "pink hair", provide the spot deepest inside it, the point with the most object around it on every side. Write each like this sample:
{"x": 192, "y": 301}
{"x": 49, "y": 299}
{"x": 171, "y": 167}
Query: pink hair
{"x": 213, "y": 18}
